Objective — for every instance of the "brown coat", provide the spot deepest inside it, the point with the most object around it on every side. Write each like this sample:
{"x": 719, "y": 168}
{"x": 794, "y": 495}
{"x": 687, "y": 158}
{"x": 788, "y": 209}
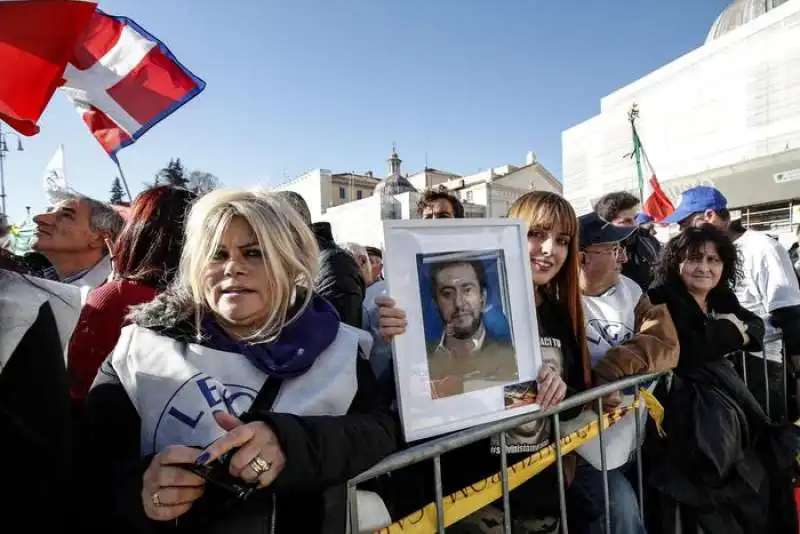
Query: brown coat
{"x": 653, "y": 348}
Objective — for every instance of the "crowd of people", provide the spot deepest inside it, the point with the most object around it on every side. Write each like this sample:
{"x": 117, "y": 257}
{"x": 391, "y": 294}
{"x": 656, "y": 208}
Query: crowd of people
{"x": 221, "y": 364}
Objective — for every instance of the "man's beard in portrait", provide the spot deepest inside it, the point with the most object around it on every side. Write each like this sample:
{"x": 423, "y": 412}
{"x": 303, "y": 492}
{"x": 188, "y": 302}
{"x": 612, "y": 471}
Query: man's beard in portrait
{"x": 466, "y": 332}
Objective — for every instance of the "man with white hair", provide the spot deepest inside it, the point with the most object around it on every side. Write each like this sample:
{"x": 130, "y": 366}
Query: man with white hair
{"x": 361, "y": 256}
{"x": 381, "y": 355}
{"x": 73, "y": 237}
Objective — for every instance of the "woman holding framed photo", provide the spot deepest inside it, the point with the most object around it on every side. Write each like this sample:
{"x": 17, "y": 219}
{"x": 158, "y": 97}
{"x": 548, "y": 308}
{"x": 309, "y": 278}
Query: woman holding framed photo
{"x": 552, "y": 241}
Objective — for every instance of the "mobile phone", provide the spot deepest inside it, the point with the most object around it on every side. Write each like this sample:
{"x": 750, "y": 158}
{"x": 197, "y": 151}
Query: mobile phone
{"x": 217, "y": 474}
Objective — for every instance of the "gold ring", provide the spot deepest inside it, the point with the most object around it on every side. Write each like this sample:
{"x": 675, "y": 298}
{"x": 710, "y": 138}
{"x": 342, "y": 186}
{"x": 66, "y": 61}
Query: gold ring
{"x": 259, "y": 465}
{"x": 156, "y": 499}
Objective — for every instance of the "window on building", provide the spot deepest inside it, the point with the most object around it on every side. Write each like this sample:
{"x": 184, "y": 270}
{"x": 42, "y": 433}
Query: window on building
{"x": 342, "y": 193}
{"x": 359, "y": 194}
{"x": 469, "y": 196}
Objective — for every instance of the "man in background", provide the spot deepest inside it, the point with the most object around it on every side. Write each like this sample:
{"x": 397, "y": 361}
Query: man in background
{"x": 73, "y": 238}
{"x": 439, "y": 204}
{"x": 641, "y": 248}
{"x": 5, "y": 233}
{"x": 339, "y": 279}
{"x": 376, "y": 260}
{"x": 359, "y": 254}
{"x": 626, "y": 335}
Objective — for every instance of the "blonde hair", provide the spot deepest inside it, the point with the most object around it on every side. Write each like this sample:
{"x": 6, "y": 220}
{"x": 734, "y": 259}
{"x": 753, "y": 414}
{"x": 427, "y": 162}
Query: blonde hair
{"x": 542, "y": 209}
{"x": 289, "y": 252}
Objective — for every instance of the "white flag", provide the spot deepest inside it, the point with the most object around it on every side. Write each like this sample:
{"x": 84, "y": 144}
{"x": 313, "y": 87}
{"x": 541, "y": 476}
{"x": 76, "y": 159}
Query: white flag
{"x": 55, "y": 177}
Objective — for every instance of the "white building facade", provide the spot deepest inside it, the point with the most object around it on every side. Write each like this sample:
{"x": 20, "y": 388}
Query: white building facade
{"x": 726, "y": 114}
{"x": 357, "y": 217}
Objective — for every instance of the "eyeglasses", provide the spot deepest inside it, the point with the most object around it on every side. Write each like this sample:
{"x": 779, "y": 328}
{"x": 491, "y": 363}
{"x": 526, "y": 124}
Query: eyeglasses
{"x": 616, "y": 250}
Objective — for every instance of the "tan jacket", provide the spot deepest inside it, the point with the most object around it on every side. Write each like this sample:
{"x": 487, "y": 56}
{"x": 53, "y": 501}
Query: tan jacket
{"x": 495, "y": 363}
{"x": 653, "y": 348}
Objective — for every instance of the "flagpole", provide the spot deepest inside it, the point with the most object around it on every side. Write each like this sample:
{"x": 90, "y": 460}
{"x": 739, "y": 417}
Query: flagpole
{"x": 646, "y": 159}
{"x": 64, "y": 165}
{"x": 124, "y": 181}
{"x": 2, "y": 175}
{"x": 633, "y": 114}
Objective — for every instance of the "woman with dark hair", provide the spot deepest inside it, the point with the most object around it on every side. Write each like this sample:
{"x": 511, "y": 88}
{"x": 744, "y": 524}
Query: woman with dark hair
{"x": 145, "y": 259}
{"x": 695, "y": 277}
{"x": 721, "y": 463}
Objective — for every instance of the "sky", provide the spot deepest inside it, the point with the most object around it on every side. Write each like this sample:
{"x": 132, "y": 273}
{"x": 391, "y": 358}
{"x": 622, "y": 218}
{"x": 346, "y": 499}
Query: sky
{"x": 463, "y": 85}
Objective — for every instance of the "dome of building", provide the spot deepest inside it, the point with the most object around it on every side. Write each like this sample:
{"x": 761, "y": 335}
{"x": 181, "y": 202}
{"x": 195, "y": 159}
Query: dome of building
{"x": 739, "y": 13}
{"x": 394, "y": 185}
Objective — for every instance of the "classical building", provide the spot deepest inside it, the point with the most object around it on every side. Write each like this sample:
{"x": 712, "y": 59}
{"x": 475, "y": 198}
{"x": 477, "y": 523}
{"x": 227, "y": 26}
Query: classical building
{"x": 726, "y": 114}
{"x": 355, "y": 204}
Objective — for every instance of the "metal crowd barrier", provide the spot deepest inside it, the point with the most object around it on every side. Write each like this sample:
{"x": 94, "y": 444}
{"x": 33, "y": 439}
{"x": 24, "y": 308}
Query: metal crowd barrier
{"x": 765, "y": 369}
{"x": 436, "y": 448}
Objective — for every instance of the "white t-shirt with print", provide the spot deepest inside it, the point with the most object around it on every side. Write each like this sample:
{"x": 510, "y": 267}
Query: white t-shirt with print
{"x": 768, "y": 283}
{"x": 610, "y": 317}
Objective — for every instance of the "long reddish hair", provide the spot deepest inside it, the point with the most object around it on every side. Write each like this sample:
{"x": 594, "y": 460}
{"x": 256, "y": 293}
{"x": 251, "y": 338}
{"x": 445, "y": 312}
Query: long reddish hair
{"x": 542, "y": 209}
{"x": 148, "y": 249}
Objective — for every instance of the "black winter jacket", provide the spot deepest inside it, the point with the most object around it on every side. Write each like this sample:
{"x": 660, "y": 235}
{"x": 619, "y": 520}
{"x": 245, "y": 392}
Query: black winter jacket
{"x": 702, "y": 338}
{"x": 642, "y": 250}
{"x": 339, "y": 279}
{"x": 722, "y": 459}
{"x": 37, "y": 428}
{"x": 728, "y": 466}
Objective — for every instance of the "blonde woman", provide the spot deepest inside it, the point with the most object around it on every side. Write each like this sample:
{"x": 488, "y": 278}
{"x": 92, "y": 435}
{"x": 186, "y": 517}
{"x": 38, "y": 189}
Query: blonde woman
{"x": 236, "y": 401}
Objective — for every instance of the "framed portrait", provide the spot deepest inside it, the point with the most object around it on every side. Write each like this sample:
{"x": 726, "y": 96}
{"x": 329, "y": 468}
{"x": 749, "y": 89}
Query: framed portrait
{"x": 470, "y": 354}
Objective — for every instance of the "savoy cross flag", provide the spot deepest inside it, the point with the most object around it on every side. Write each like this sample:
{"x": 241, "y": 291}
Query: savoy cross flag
{"x": 123, "y": 81}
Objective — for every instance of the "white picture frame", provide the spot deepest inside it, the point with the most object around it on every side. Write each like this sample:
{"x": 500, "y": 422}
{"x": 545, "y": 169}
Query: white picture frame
{"x": 415, "y": 252}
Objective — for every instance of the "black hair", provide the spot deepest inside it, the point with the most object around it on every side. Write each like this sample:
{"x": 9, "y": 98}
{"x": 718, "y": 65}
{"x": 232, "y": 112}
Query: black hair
{"x": 148, "y": 249}
{"x": 689, "y": 243}
{"x": 432, "y": 195}
{"x": 609, "y": 206}
{"x": 477, "y": 266}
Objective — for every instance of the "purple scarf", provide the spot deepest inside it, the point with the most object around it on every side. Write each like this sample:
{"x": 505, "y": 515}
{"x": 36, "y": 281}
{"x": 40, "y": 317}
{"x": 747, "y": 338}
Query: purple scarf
{"x": 297, "y": 347}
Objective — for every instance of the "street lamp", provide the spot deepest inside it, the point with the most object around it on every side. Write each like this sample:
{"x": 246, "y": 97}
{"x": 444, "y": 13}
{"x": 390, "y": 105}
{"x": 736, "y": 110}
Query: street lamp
{"x": 3, "y": 155}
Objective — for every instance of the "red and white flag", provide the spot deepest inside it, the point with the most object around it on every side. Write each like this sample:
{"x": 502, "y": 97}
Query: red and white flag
{"x": 37, "y": 39}
{"x": 123, "y": 81}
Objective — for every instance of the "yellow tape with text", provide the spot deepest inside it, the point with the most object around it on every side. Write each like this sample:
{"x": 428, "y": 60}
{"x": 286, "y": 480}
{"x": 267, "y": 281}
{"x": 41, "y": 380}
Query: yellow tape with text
{"x": 467, "y": 501}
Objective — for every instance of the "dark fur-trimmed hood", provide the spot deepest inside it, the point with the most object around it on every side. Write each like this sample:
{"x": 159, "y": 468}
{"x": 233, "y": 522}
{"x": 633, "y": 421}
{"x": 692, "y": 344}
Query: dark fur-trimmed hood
{"x": 167, "y": 314}
{"x": 171, "y": 314}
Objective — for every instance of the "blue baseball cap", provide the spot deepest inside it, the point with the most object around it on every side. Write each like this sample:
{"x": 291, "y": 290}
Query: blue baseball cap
{"x": 594, "y": 230}
{"x": 643, "y": 218}
{"x": 696, "y": 200}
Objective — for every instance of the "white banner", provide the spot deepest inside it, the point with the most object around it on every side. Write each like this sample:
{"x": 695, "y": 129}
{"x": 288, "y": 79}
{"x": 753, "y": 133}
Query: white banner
{"x": 55, "y": 177}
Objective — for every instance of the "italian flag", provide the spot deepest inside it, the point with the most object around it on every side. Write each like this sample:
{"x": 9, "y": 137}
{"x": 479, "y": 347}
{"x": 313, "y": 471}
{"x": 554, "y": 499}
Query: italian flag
{"x": 655, "y": 202}
{"x": 37, "y": 39}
